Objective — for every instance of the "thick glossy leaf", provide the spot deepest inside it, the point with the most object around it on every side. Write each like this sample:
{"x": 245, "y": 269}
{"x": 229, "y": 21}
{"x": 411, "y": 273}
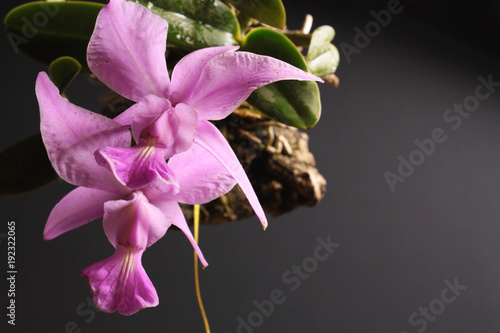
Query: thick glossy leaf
{"x": 25, "y": 167}
{"x": 63, "y": 70}
{"x": 294, "y": 103}
{"x": 49, "y": 30}
{"x": 213, "y": 13}
{"x": 271, "y": 12}
{"x": 193, "y": 33}
{"x": 322, "y": 56}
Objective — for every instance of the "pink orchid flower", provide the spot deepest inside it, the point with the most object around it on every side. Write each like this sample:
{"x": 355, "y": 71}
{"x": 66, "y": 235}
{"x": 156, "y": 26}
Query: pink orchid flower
{"x": 133, "y": 219}
{"x": 127, "y": 53}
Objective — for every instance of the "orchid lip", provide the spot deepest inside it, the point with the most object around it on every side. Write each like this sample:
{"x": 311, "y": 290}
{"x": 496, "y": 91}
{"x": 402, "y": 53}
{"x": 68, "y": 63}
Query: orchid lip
{"x": 127, "y": 266}
{"x": 146, "y": 152}
{"x": 121, "y": 283}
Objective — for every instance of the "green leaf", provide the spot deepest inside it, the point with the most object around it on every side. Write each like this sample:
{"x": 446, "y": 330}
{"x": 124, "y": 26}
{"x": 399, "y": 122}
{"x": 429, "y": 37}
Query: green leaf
{"x": 213, "y": 13}
{"x": 196, "y": 24}
{"x": 63, "y": 70}
{"x": 322, "y": 56}
{"x": 48, "y": 30}
{"x": 25, "y": 167}
{"x": 294, "y": 103}
{"x": 271, "y": 12}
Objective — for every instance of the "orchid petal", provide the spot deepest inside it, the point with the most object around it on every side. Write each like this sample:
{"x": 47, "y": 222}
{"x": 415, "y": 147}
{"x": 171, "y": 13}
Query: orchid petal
{"x": 143, "y": 114}
{"x": 127, "y": 50}
{"x": 212, "y": 178}
{"x": 134, "y": 222}
{"x": 125, "y": 223}
{"x": 121, "y": 283}
{"x": 188, "y": 121}
{"x": 78, "y": 207}
{"x": 229, "y": 78}
{"x": 154, "y": 121}
{"x": 139, "y": 166}
{"x": 187, "y": 71}
{"x": 125, "y": 118}
{"x": 72, "y": 134}
{"x": 163, "y": 131}
{"x": 174, "y": 212}
{"x": 212, "y": 140}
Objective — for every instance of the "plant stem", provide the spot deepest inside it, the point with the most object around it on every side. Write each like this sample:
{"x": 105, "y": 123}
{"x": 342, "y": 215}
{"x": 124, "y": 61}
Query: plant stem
{"x": 196, "y": 213}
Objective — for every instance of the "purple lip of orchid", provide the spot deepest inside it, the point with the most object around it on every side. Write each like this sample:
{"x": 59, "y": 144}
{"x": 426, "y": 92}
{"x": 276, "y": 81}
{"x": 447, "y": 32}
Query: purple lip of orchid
{"x": 120, "y": 282}
{"x": 126, "y": 52}
{"x": 133, "y": 219}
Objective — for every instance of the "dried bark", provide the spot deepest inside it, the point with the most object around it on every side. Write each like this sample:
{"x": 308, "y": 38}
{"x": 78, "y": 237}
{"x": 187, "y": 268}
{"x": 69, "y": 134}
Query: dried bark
{"x": 278, "y": 163}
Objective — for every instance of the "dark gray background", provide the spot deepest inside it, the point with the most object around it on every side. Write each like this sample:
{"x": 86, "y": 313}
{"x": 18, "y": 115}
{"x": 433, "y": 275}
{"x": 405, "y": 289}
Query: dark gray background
{"x": 397, "y": 249}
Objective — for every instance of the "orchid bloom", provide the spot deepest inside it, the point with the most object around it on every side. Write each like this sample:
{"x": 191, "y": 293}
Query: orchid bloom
{"x": 127, "y": 53}
{"x": 133, "y": 219}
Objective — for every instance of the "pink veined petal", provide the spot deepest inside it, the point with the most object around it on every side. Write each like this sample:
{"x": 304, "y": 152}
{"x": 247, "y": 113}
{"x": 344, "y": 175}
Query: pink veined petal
{"x": 174, "y": 130}
{"x": 125, "y": 118}
{"x": 135, "y": 222}
{"x": 120, "y": 283}
{"x": 127, "y": 50}
{"x": 173, "y": 211}
{"x": 144, "y": 114}
{"x": 229, "y": 78}
{"x": 78, "y": 207}
{"x": 212, "y": 140}
{"x": 124, "y": 223}
{"x": 139, "y": 166}
{"x": 188, "y": 70}
{"x": 154, "y": 120}
{"x": 211, "y": 181}
{"x": 188, "y": 121}
{"x": 163, "y": 132}
{"x": 72, "y": 134}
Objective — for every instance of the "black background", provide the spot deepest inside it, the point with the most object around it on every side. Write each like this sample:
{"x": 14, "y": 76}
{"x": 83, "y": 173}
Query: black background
{"x": 397, "y": 249}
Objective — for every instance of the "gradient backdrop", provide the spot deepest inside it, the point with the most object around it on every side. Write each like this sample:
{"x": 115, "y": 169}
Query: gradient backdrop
{"x": 422, "y": 258}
